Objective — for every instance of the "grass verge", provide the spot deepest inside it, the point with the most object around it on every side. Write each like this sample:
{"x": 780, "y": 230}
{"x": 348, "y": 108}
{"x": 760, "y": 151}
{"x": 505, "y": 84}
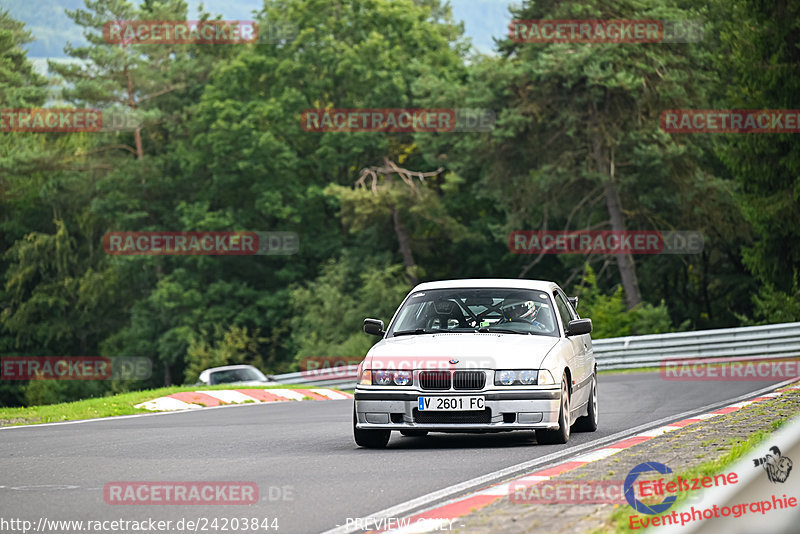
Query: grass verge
{"x": 120, "y": 404}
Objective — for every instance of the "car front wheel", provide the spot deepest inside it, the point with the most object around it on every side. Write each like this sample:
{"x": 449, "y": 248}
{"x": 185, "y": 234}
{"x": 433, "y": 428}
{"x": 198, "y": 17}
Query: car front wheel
{"x": 555, "y": 437}
{"x": 370, "y": 439}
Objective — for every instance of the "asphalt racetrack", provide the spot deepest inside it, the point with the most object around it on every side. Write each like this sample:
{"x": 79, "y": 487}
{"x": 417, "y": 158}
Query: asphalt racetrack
{"x": 310, "y": 474}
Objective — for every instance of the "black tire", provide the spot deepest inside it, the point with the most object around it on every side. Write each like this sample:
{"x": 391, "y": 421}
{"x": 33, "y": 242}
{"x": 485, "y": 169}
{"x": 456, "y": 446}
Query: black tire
{"x": 588, "y": 423}
{"x": 370, "y": 439}
{"x": 414, "y": 433}
{"x": 560, "y": 436}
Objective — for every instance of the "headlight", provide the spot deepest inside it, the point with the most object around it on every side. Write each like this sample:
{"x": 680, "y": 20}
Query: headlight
{"x": 525, "y": 377}
{"x": 382, "y": 378}
{"x": 402, "y": 378}
{"x": 387, "y": 378}
{"x": 506, "y": 378}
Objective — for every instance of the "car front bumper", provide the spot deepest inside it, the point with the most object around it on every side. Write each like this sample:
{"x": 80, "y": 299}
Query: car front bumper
{"x": 508, "y": 409}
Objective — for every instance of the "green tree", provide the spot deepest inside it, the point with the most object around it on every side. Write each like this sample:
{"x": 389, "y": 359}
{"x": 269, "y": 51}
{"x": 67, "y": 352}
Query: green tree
{"x": 329, "y": 311}
{"x": 577, "y": 143}
{"x": 56, "y": 294}
{"x": 759, "y": 60}
{"x": 255, "y": 167}
{"x": 609, "y": 316}
{"x": 140, "y": 183}
{"x": 407, "y": 201}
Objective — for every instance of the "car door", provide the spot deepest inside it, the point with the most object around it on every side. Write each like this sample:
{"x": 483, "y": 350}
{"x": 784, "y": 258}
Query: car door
{"x": 579, "y": 364}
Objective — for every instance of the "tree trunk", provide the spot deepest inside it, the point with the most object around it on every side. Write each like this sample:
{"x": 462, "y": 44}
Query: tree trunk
{"x": 137, "y": 136}
{"x": 137, "y": 133}
{"x": 405, "y": 247}
{"x": 625, "y": 263}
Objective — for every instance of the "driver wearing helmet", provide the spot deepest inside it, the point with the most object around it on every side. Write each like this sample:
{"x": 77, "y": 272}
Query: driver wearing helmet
{"x": 521, "y": 311}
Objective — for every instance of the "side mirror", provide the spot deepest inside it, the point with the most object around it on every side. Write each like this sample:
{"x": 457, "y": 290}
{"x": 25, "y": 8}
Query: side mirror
{"x": 373, "y": 327}
{"x": 579, "y": 326}
{"x": 574, "y": 302}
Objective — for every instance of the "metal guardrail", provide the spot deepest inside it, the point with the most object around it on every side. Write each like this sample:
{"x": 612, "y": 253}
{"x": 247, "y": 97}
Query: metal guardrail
{"x": 342, "y": 377}
{"x": 749, "y": 342}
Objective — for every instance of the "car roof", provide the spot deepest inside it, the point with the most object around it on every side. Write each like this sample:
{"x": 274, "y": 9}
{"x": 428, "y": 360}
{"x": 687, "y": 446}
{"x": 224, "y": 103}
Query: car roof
{"x": 228, "y": 368}
{"x": 503, "y": 283}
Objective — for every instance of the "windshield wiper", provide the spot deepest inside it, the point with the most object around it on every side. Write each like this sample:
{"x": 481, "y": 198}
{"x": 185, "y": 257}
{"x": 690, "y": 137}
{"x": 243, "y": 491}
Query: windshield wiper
{"x": 492, "y": 330}
{"x": 414, "y": 332}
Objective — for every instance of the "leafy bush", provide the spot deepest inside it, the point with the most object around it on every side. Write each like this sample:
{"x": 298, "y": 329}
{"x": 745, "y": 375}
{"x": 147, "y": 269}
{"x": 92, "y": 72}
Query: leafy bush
{"x": 235, "y": 346}
{"x": 328, "y": 312}
{"x": 772, "y": 306}
{"x": 609, "y": 316}
{"x": 39, "y": 392}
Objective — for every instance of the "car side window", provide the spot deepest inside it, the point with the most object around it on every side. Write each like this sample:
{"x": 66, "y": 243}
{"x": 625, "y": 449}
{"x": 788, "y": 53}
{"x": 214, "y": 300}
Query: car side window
{"x": 563, "y": 309}
{"x": 572, "y": 313}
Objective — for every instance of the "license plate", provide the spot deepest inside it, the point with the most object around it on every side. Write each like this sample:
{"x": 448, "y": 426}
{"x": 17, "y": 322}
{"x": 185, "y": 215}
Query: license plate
{"x": 450, "y": 404}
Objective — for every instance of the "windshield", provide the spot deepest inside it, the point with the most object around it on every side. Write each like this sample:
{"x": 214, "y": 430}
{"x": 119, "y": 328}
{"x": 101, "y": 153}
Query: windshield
{"x": 236, "y": 375}
{"x": 517, "y": 311}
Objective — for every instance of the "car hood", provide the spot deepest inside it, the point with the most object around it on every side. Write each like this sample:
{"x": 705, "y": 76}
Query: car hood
{"x": 468, "y": 350}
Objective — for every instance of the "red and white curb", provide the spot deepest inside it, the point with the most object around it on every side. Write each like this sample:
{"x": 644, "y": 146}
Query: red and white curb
{"x": 190, "y": 400}
{"x": 437, "y": 518}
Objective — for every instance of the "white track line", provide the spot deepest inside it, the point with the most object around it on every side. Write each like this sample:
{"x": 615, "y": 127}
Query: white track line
{"x": 288, "y": 394}
{"x": 229, "y": 396}
{"x": 167, "y": 404}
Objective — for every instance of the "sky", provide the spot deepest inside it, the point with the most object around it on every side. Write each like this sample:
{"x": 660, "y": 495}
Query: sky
{"x": 482, "y": 19}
